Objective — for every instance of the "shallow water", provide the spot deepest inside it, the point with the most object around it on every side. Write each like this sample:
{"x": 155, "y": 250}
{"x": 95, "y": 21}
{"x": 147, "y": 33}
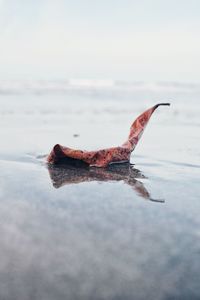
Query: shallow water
{"x": 129, "y": 232}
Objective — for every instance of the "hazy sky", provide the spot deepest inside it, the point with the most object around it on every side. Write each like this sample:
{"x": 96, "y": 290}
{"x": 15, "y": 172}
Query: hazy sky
{"x": 148, "y": 40}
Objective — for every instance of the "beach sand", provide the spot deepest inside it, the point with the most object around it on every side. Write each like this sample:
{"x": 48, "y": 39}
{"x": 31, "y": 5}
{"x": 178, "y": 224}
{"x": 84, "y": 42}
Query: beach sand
{"x": 129, "y": 232}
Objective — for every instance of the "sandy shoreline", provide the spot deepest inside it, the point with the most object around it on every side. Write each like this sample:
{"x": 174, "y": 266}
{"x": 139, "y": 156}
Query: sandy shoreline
{"x": 96, "y": 235}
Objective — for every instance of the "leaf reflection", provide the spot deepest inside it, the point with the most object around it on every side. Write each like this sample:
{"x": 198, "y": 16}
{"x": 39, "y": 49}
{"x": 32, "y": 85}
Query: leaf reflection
{"x": 75, "y": 172}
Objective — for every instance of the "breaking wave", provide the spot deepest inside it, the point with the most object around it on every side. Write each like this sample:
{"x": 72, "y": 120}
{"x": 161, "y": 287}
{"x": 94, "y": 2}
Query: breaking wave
{"x": 14, "y": 87}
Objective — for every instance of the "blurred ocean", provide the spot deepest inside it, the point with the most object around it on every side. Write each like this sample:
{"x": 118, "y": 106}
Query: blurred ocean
{"x": 89, "y": 86}
{"x": 98, "y": 235}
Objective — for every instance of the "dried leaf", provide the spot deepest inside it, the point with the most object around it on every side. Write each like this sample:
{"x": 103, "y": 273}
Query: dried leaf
{"x": 103, "y": 157}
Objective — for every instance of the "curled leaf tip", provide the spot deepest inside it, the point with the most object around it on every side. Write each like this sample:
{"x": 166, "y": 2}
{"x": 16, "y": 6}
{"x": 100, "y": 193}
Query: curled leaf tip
{"x": 159, "y": 104}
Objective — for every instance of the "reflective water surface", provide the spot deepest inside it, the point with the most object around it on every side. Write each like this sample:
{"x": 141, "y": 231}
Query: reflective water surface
{"x": 70, "y": 232}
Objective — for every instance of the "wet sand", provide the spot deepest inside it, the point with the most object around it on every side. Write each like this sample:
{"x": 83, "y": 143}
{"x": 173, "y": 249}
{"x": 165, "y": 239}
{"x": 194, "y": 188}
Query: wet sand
{"x": 128, "y": 232}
